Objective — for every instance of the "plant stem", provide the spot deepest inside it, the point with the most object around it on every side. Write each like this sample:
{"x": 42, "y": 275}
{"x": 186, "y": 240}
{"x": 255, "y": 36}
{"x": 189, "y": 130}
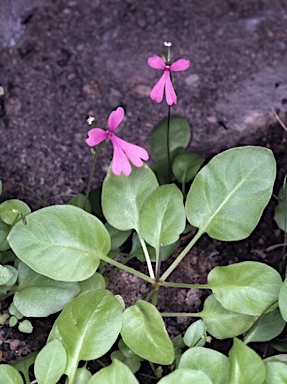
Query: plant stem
{"x": 181, "y": 256}
{"x": 92, "y": 171}
{"x": 180, "y": 314}
{"x": 128, "y": 269}
{"x": 149, "y": 265}
{"x": 167, "y": 145}
{"x": 183, "y": 285}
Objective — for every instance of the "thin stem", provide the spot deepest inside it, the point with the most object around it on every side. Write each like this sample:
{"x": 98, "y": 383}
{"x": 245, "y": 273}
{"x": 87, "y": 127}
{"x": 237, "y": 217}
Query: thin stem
{"x": 181, "y": 256}
{"x": 155, "y": 294}
{"x": 158, "y": 261}
{"x": 128, "y": 269}
{"x": 148, "y": 261}
{"x": 92, "y": 171}
{"x": 123, "y": 262}
{"x": 183, "y": 285}
{"x": 167, "y": 145}
{"x": 180, "y": 314}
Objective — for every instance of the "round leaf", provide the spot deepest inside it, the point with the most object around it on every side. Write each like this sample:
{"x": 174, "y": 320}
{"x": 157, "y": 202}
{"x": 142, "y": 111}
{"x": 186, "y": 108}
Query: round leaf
{"x": 50, "y": 363}
{"x": 88, "y": 326}
{"x": 4, "y": 230}
{"x": 281, "y": 209}
{"x": 62, "y": 242}
{"x": 113, "y": 373}
{"x": 195, "y": 334}
{"x": 40, "y": 296}
{"x": 221, "y": 323}
{"x": 8, "y": 208}
{"x": 144, "y": 333}
{"x": 25, "y": 326}
{"x": 5, "y": 275}
{"x": 248, "y": 287}
{"x": 179, "y": 135}
{"x": 123, "y": 197}
{"x": 9, "y": 375}
{"x": 283, "y": 300}
{"x": 229, "y": 194}
{"x": 186, "y": 165}
{"x": 276, "y": 373}
{"x": 245, "y": 365}
{"x": 163, "y": 217}
{"x": 266, "y": 328}
{"x": 214, "y": 364}
{"x": 186, "y": 376}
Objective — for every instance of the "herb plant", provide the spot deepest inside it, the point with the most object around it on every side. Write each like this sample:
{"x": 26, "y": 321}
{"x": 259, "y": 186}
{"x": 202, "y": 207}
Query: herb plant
{"x": 54, "y": 260}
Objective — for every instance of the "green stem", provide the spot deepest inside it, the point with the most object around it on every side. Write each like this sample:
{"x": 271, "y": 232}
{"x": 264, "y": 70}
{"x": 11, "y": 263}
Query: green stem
{"x": 128, "y": 269}
{"x": 92, "y": 171}
{"x": 181, "y": 256}
{"x": 179, "y": 314}
{"x": 155, "y": 294}
{"x": 158, "y": 261}
{"x": 123, "y": 262}
{"x": 148, "y": 261}
{"x": 167, "y": 145}
{"x": 183, "y": 285}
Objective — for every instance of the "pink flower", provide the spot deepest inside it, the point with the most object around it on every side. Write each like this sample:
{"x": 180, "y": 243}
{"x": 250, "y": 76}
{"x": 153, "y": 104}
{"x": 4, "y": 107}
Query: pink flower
{"x": 122, "y": 149}
{"x": 165, "y": 80}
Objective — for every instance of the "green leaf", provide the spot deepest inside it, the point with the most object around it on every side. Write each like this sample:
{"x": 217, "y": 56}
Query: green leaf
{"x": 160, "y": 167}
{"x": 132, "y": 362}
{"x": 276, "y": 373}
{"x": 4, "y": 230}
{"x": 245, "y": 365}
{"x": 144, "y": 332}
{"x": 50, "y": 363}
{"x": 186, "y": 376}
{"x": 214, "y": 364}
{"x": 280, "y": 215}
{"x": 8, "y": 208}
{"x": 83, "y": 376}
{"x": 123, "y": 197}
{"x": 87, "y": 327}
{"x": 266, "y": 328}
{"x": 5, "y": 275}
{"x": 40, "y": 296}
{"x": 195, "y": 334}
{"x": 162, "y": 219}
{"x": 80, "y": 201}
{"x": 248, "y": 287}
{"x": 221, "y": 323}
{"x": 118, "y": 238}
{"x": 186, "y": 165}
{"x": 112, "y": 374}
{"x": 24, "y": 365}
{"x": 179, "y": 136}
{"x": 228, "y": 196}
{"x": 97, "y": 281}
{"x": 25, "y": 326}
{"x": 95, "y": 200}
{"x": 62, "y": 242}
{"x": 9, "y": 375}
{"x": 283, "y": 300}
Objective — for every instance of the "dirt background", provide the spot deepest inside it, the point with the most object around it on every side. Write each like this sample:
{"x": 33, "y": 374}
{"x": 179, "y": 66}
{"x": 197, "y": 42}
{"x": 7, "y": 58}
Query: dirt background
{"x": 61, "y": 61}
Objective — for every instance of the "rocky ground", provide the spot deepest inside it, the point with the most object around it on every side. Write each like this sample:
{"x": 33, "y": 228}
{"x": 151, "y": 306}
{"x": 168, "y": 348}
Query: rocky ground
{"x": 63, "y": 60}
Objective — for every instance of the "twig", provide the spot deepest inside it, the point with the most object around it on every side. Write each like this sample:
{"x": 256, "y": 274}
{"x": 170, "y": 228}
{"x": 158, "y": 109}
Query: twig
{"x": 278, "y": 119}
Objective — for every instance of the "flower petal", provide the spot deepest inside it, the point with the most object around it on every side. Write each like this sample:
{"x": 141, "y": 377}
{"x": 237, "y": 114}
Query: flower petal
{"x": 157, "y": 91}
{"x": 96, "y": 136}
{"x": 115, "y": 118}
{"x": 134, "y": 152}
{"x": 180, "y": 65}
{"x": 169, "y": 92}
{"x": 120, "y": 163}
{"x": 156, "y": 62}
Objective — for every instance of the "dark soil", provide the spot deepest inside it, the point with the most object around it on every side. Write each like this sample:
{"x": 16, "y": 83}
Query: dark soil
{"x": 80, "y": 57}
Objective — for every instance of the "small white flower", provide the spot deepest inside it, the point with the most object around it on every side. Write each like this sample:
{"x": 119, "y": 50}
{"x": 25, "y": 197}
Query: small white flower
{"x": 167, "y": 44}
{"x": 90, "y": 120}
